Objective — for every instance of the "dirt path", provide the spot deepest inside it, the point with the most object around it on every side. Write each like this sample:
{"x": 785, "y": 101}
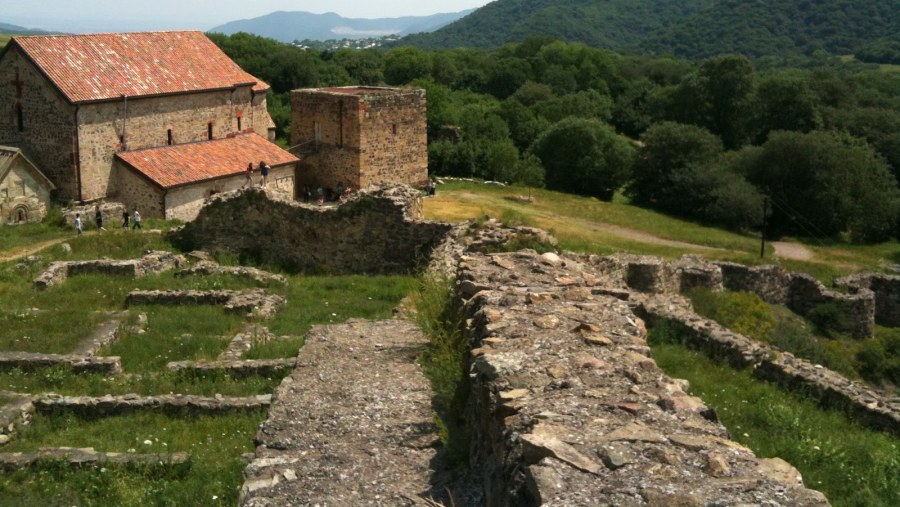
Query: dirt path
{"x": 794, "y": 251}
{"x": 19, "y": 252}
{"x": 644, "y": 237}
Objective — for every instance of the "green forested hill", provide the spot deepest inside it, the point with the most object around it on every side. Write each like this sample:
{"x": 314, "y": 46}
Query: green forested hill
{"x": 599, "y": 23}
{"x": 691, "y": 28}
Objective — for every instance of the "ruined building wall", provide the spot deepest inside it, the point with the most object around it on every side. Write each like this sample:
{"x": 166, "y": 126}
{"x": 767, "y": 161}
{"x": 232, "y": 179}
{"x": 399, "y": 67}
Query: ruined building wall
{"x": 327, "y": 126}
{"x": 48, "y": 136}
{"x": 360, "y": 136}
{"x": 372, "y": 233}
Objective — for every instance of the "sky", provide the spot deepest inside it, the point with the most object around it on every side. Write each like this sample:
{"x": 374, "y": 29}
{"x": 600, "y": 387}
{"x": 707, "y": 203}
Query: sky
{"x": 80, "y": 16}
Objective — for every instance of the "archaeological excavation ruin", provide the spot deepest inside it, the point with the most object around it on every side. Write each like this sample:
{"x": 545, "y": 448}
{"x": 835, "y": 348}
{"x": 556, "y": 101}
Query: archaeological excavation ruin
{"x": 566, "y": 405}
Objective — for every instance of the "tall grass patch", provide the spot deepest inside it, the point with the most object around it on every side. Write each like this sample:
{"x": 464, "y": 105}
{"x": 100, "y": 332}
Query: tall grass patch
{"x": 852, "y": 465}
{"x": 325, "y": 300}
{"x": 175, "y": 333}
{"x": 212, "y": 477}
{"x": 444, "y": 362}
{"x": 875, "y": 359}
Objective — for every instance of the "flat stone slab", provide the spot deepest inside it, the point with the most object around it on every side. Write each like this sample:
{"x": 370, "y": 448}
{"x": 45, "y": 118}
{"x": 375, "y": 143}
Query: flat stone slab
{"x": 106, "y": 405}
{"x": 352, "y": 425}
{"x": 11, "y": 461}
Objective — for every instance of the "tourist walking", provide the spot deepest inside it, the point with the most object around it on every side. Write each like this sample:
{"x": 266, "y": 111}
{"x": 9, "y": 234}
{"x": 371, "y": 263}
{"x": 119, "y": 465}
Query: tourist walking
{"x": 137, "y": 220}
{"x": 98, "y": 217}
{"x": 249, "y": 173}
{"x": 79, "y": 228}
{"x": 125, "y": 217}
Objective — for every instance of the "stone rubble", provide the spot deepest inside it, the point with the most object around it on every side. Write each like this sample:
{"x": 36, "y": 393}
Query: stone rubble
{"x": 88, "y": 457}
{"x": 237, "y": 368}
{"x": 105, "y": 365}
{"x": 208, "y": 268}
{"x": 256, "y": 303}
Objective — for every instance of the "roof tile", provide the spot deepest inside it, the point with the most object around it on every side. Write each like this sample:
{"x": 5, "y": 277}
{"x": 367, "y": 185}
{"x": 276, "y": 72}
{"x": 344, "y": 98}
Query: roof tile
{"x": 172, "y": 166}
{"x": 106, "y": 66}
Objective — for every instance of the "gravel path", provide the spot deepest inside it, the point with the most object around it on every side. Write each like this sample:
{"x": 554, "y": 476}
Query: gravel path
{"x": 794, "y": 251}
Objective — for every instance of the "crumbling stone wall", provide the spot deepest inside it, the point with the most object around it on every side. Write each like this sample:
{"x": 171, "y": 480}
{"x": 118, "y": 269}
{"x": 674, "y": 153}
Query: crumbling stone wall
{"x": 887, "y": 294}
{"x": 376, "y": 231}
{"x": 151, "y": 263}
{"x": 567, "y": 407}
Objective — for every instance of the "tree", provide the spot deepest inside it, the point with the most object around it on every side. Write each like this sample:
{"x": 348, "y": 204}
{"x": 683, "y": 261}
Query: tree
{"x": 824, "y": 184}
{"x": 786, "y": 102}
{"x": 585, "y": 157}
{"x": 667, "y": 150}
{"x": 405, "y": 64}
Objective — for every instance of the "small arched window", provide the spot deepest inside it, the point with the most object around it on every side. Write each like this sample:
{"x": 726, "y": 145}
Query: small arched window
{"x": 169, "y": 139}
{"x": 20, "y": 118}
{"x": 209, "y": 131}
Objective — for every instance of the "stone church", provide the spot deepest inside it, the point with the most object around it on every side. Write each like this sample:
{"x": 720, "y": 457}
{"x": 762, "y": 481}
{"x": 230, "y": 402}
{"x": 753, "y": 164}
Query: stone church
{"x": 156, "y": 120}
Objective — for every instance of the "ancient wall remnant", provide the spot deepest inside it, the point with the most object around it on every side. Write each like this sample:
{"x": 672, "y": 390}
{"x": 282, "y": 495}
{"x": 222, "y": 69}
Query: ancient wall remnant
{"x": 376, "y": 231}
{"x": 151, "y": 263}
{"x": 887, "y": 294}
{"x": 568, "y": 408}
{"x": 256, "y": 303}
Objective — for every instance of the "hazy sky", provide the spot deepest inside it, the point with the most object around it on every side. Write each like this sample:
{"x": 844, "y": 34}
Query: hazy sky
{"x": 122, "y": 15}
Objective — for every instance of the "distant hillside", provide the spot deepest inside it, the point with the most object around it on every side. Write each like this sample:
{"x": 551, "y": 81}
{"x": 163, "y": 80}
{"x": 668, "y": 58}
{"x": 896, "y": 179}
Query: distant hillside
{"x": 690, "y": 28}
{"x": 291, "y": 26}
{"x": 6, "y": 28}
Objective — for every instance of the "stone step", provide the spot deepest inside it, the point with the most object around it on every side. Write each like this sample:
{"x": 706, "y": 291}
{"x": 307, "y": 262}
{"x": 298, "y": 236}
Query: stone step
{"x": 352, "y": 425}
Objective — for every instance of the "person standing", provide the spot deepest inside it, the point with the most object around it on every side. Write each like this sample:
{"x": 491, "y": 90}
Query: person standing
{"x": 137, "y": 220}
{"x": 249, "y": 173}
{"x": 79, "y": 228}
{"x": 264, "y": 171}
{"x": 125, "y": 217}
{"x": 98, "y": 217}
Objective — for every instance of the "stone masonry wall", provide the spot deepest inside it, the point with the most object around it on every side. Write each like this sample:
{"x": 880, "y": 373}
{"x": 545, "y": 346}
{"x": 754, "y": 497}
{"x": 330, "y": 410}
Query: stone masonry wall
{"x": 887, "y": 294}
{"x": 147, "y": 125}
{"x": 327, "y": 125}
{"x": 394, "y": 139}
{"x": 374, "y": 232}
{"x": 48, "y": 137}
{"x": 19, "y": 190}
{"x": 567, "y": 407}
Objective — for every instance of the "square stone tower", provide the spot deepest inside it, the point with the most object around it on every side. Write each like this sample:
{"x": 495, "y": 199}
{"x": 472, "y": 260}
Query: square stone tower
{"x": 358, "y": 136}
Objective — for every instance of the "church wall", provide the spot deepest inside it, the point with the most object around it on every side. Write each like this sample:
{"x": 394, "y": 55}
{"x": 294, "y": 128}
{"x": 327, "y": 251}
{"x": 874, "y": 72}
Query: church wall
{"x": 20, "y": 190}
{"x": 48, "y": 121}
{"x": 136, "y": 192}
{"x": 148, "y": 123}
{"x": 332, "y": 156}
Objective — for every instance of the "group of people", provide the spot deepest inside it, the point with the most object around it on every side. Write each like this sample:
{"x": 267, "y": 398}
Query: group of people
{"x": 134, "y": 218}
{"x": 263, "y": 171}
{"x": 321, "y": 194}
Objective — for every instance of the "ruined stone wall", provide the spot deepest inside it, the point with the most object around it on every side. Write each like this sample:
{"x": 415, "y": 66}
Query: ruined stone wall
{"x": 371, "y": 233}
{"x": 567, "y": 407}
{"x": 887, "y": 294}
{"x": 394, "y": 139}
{"x": 19, "y": 190}
{"x": 49, "y": 135}
{"x": 146, "y": 124}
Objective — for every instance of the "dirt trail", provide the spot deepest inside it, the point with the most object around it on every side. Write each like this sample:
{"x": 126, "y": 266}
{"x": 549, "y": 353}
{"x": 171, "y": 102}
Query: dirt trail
{"x": 19, "y": 252}
{"x": 794, "y": 251}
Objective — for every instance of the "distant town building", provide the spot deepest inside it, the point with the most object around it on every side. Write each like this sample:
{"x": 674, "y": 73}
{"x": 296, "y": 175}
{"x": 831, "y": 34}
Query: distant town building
{"x": 89, "y": 111}
{"x": 24, "y": 190}
{"x": 359, "y": 135}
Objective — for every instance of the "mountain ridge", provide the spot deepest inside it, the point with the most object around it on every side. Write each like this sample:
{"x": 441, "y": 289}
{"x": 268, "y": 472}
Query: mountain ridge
{"x": 289, "y": 26}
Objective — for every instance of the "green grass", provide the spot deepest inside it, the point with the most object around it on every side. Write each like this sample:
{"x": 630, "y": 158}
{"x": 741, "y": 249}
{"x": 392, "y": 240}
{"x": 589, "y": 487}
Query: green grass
{"x": 852, "y": 465}
{"x": 875, "y": 359}
{"x": 175, "y": 333}
{"x": 214, "y": 444}
{"x": 443, "y": 362}
{"x": 588, "y": 225}
{"x": 332, "y": 299}
{"x": 61, "y": 380}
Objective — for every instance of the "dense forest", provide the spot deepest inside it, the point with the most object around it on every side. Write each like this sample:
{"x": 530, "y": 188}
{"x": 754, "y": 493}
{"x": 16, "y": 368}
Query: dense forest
{"x": 685, "y": 28}
{"x": 708, "y": 140}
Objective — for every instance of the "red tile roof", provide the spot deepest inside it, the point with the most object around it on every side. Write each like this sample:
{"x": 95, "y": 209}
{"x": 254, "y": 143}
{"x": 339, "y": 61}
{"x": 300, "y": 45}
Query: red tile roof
{"x": 106, "y": 66}
{"x": 183, "y": 164}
